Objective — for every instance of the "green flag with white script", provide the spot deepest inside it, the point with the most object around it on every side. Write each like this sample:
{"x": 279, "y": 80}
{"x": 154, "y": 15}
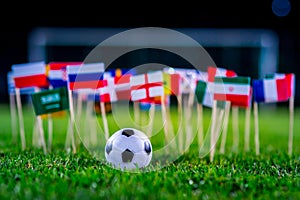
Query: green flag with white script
{"x": 50, "y": 101}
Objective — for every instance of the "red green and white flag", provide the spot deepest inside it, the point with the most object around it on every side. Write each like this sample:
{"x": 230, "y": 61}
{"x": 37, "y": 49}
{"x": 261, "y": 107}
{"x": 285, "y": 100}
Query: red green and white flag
{"x": 237, "y": 90}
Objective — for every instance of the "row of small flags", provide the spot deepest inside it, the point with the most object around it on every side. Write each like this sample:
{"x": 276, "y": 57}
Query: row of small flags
{"x": 227, "y": 86}
{"x": 216, "y": 84}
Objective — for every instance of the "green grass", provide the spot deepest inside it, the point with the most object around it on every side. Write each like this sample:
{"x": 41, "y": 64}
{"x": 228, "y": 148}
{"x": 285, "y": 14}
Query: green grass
{"x": 30, "y": 174}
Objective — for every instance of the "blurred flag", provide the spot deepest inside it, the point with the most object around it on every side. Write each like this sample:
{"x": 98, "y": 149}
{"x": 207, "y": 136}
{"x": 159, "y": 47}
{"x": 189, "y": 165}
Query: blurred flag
{"x": 171, "y": 83}
{"x": 188, "y": 79}
{"x": 146, "y": 86}
{"x": 290, "y": 78}
{"x": 204, "y": 95}
{"x": 237, "y": 90}
{"x": 270, "y": 90}
{"x": 108, "y": 92}
{"x": 30, "y": 75}
{"x": 122, "y": 86}
{"x": 50, "y": 101}
{"x": 11, "y": 86}
{"x": 84, "y": 76}
{"x": 57, "y": 74}
{"x": 118, "y": 72}
{"x": 217, "y": 71}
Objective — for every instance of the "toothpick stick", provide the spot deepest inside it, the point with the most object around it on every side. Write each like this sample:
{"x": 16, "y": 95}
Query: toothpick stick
{"x": 151, "y": 120}
{"x": 225, "y": 127}
{"x": 291, "y": 125}
{"x": 41, "y": 131}
{"x": 256, "y": 127}
{"x": 235, "y": 128}
{"x": 212, "y": 130}
{"x": 200, "y": 124}
{"x": 189, "y": 127}
{"x": 50, "y": 131}
{"x": 104, "y": 120}
{"x": 78, "y": 111}
{"x": 72, "y": 121}
{"x": 21, "y": 121}
{"x": 136, "y": 112}
{"x": 247, "y": 128}
{"x": 50, "y": 128}
{"x": 170, "y": 124}
{"x": 180, "y": 132}
{"x": 35, "y": 136}
{"x": 217, "y": 128}
{"x": 13, "y": 115}
{"x": 164, "y": 118}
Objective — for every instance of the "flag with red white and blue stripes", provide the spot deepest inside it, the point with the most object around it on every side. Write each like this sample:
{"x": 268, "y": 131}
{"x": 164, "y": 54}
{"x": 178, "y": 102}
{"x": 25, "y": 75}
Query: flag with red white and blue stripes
{"x": 86, "y": 76}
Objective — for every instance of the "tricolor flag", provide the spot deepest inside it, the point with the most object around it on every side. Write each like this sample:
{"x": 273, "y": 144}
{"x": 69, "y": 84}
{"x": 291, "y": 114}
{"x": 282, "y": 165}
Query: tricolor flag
{"x": 237, "y": 90}
{"x": 87, "y": 75}
{"x": 30, "y": 75}
{"x": 146, "y": 86}
{"x": 290, "y": 77}
{"x": 57, "y": 74}
{"x": 171, "y": 83}
{"x": 220, "y": 72}
{"x": 269, "y": 90}
{"x": 204, "y": 93}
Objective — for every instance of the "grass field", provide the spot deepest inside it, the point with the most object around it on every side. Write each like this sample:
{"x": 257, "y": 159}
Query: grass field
{"x": 30, "y": 174}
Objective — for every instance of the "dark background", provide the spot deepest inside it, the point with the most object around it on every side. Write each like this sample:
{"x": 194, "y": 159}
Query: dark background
{"x": 18, "y": 19}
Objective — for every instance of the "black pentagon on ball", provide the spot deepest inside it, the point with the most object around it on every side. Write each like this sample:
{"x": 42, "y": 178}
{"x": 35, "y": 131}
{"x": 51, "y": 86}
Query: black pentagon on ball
{"x": 147, "y": 147}
{"x": 127, "y": 132}
{"x": 127, "y": 155}
{"x": 108, "y": 147}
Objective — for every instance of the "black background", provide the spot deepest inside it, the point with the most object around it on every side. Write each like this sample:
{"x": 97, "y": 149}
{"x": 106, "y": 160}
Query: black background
{"x": 18, "y": 19}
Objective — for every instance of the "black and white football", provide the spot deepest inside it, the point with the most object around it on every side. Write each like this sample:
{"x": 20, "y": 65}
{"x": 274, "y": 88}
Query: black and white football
{"x": 128, "y": 148}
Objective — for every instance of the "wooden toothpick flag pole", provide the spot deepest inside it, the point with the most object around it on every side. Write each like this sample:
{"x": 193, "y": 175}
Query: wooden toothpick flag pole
{"x": 72, "y": 121}
{"x": 225, "y": 127}
{"x": 291, "y": 89}
{"x": 247, "y": 129}
{"x": 212, "y": 130}
{"x": 256, "y": 127}
{"x": 21, "y": 120}
{"x": 136, "y": 112}
{"x": 104, "y": 119}
{"x": 291, "y": 125}
{"x": 204, "y": 97}
{"x": 151, "y": 119}
{"x": 235, "y": 127}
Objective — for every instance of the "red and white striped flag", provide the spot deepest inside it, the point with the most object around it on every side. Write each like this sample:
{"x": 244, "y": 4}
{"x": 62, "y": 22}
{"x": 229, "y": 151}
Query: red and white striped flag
{"x": 146, "y": 86}
{"x": 30, "y": 75}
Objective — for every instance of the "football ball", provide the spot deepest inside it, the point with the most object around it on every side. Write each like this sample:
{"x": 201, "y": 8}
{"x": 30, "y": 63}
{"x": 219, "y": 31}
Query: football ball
{"x": 128, "y": 149}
